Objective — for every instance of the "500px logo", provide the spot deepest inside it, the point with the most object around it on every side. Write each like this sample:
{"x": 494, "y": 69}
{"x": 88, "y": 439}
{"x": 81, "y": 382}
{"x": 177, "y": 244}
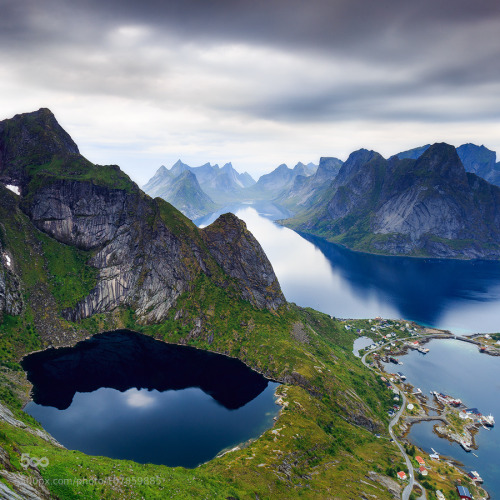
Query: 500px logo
{"x": 26, "y": 461}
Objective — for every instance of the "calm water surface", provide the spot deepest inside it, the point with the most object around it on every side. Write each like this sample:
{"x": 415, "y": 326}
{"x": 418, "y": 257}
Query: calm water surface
{"x": 458, "y": 369}
{"x": 463, "y": 296}
{"x": 127, "y": 396}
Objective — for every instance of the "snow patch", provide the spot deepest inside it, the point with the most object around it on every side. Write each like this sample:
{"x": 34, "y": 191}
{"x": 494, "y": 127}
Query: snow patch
{"x": 7, "y": 259}
{"x": 13, "y": 188}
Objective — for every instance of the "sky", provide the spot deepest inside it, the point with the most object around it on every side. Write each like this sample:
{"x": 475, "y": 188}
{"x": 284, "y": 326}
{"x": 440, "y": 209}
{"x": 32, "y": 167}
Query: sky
{"x": 254, "y": 82}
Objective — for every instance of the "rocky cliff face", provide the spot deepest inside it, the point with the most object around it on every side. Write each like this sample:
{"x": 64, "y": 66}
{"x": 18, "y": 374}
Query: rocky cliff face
{"x": 140, "y": 264}
{"x": 425, "y": 207}
{"x": 146, "y": 252}
{"x": 11, "y": 299}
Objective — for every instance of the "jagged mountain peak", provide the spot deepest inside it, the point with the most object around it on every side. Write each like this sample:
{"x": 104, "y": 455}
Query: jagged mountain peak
{"x": 31, "y": 139}
{"x": 179, "y": 163}
{"x": 357, "y": 160}
{"x": 363, "y": 155}
{"x": 281, "y": 168}
{"x": 441, "y": 160}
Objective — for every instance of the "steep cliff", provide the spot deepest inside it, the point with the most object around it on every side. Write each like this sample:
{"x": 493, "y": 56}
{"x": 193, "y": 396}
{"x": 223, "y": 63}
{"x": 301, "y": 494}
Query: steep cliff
{"x": 145, "y": 252}
{"x": 229, "y": 235}
{"x": 425, "y": 207}
{"x": 11, "y": 299}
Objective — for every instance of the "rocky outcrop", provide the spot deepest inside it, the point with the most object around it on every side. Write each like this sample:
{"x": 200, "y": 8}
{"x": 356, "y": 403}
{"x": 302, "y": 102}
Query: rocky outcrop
{"x": 144, "y": 265}
{"x": 229, "y": 235}
{"x": 425, "y": 207}
{"x": 7, "y": 416}
{"x": 140, "y": 264}
{"x": 26, "y": 488}
{"x": 392, "y": 486}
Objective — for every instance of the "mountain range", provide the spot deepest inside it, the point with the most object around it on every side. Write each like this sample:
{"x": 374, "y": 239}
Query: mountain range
{"x": 213, "y": 186}
{"x": 305, "y": 190}
{"x": 219, "y": 184}
{"x": 429, "y": 206}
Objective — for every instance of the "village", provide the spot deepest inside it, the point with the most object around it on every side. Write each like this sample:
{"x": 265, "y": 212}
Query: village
{"x": 455, "y": 421}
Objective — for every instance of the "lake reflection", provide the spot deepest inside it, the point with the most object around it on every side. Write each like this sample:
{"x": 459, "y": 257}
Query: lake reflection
{"x": 124, "y": 395}
{"x": 463, "y": 296}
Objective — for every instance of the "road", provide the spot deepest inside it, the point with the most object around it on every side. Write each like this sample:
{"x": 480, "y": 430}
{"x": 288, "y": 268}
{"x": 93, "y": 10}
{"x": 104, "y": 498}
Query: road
{"x": 411, "y": 474}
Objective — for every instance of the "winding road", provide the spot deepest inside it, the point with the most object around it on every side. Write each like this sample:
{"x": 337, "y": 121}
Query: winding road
{"x": 409, "y": 487}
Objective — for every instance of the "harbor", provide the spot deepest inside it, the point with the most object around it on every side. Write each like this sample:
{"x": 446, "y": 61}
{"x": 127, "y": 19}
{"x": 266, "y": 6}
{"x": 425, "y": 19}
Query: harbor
{"x": 454, "y": 413}
{"x": 447, "y": 381}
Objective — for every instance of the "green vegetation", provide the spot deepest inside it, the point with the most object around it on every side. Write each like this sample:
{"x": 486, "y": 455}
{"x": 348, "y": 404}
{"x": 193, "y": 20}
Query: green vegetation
{"x": 77, "y": 168}
{"x": 70, "y": 278}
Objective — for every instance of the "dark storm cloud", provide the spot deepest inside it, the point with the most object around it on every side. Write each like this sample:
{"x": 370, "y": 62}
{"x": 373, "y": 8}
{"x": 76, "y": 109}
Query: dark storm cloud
{"x": 322, "y": 24}
{"x": 445, "y": 44}
{"x": 228, "y": 71}
{"x": 383, "y": 28}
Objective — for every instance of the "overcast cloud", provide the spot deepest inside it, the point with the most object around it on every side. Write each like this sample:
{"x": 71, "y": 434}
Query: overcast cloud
{"x": 254, "y": 82}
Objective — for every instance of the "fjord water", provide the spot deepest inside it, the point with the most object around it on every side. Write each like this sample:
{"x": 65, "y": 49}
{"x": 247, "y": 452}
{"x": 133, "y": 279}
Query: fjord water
{"x": 462, "y": 296}
{"x": 458, "y": 369}
{"x": 125, "y": 395}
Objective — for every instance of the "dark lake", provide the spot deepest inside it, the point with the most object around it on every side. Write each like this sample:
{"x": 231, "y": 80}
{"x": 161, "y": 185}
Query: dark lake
{"x": 462, "y": 296}
{"x": 128, "y": 396}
